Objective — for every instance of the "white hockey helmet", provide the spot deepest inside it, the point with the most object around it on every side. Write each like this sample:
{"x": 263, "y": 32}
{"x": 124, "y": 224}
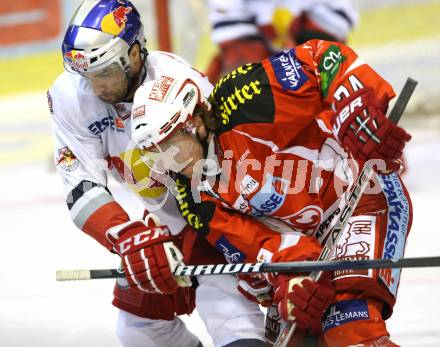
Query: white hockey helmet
{"x": 100, "y": 34}
{"x": 161, "y": 107}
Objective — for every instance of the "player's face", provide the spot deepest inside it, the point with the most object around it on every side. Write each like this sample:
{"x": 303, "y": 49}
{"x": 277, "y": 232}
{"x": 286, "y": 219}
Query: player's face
{"x": 109, "y": 84}
{"x": 180, "y": 153}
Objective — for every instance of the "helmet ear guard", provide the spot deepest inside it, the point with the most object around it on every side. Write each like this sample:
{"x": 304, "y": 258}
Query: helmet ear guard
{"x": 161, "y": 108}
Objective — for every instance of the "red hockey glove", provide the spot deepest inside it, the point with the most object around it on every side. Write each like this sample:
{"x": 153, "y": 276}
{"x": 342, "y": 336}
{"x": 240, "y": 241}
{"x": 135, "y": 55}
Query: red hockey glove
{"x": 256, "y": 289}
{"x": 363, "y": 129}
{"x": 303, "y": 301}
{"x": 149, "y": 256}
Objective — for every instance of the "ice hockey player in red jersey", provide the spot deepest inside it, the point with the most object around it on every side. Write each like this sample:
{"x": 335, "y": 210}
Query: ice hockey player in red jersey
{"x": 104, "y": 52}
{"x": 251, "y": 30}
{"x": 272, "y": 151}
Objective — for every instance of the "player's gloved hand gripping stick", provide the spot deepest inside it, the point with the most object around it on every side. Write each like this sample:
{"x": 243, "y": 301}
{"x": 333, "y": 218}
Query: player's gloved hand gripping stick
{"x": 352, "y": 197}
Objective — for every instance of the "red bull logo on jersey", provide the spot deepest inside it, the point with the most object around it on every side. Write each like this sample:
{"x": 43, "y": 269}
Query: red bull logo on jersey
{"x": 66, "y": 160}
{"x": 114, "y": 22}
{"x": 76, "y": 59}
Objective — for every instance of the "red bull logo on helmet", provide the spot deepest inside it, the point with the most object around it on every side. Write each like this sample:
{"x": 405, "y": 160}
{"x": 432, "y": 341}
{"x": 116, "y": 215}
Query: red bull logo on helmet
{"x": 114, "y": 22}
{"x": 76, "y": 59}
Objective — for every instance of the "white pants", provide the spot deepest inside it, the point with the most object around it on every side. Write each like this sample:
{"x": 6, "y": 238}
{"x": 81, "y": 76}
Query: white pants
{"x": 135, "y": 331}
{"x": 228, "y": 317}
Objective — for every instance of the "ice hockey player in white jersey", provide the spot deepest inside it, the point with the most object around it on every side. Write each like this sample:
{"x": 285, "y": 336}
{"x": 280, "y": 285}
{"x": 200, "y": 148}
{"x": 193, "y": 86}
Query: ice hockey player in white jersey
{"x": 250, "y": 30}
{"x": 106, "y": 60}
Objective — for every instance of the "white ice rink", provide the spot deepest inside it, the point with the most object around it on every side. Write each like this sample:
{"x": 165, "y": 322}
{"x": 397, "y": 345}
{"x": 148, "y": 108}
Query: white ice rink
{"x": 37, "y": 238}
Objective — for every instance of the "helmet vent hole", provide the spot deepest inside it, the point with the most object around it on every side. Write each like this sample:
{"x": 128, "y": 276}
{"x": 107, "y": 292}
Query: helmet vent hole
{"x": 140, "y": 125}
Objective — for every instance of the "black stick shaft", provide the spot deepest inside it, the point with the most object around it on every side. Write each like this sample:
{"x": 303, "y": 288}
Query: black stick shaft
{"x": 402, "y": 100}
{"x": 246, "y": 268}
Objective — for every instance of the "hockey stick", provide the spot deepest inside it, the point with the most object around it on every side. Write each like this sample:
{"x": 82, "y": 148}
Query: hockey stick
{"x": 353, "y": 199}
{"x": 248, "y": 268}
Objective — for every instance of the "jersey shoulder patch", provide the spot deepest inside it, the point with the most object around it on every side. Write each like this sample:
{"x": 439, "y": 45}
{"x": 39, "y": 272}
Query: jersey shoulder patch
{"x": 288, "y": 70}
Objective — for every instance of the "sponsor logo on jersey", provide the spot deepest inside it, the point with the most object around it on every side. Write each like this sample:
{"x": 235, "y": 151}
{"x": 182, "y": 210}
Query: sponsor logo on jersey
{"x": 248, "y": 185}
{"x": 160, "y": 88}
{"x": 231, "y": 253}
{"x": 357, "y": 243}
{"x": 138, "y": 111}
{"x": 188, "y": 97}
{"x": 345, "y": 312}
{"x": 50, "y": 103}
{"x": 288, "y": 70}
{"x": 329, "y": 66}
{"x": 270, "y": 197}
{"x": 242, "y": 70}
{"x": 114, "y": 22}
{"x": 242, "y": 205}
{"x": 119, "y": 124}
{"x": 232, "y": 102}
{"x": 397, "y": 228}
{"x": 264, "y": 256}
{"x": 242, "y": 158}
{"x": 306, "y": 219}
{"x": 100, "y": 126}
{"x": 66, "y": 160}
{"x": 76, "y": 60}
{"x": 183, "y": 197}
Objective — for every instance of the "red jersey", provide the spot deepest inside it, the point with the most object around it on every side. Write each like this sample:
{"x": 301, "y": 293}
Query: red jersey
{"x": 278, "y": 155}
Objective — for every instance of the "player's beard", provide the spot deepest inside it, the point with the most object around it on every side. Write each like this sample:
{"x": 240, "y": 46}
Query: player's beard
{"x": 124, "y": 92}
{"x": 115, "y": 96}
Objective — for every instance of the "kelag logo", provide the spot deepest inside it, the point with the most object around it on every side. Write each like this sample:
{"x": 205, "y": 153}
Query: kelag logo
{"x": 270, "y": 197}
{"x": 329, "y": 66}
{"x": 288, "y": 70}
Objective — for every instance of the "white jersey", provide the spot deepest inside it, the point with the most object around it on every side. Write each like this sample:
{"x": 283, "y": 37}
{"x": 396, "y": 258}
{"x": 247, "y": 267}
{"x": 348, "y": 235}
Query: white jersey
{"x": 233, "y": 19}
{"x": 93, "y": 140}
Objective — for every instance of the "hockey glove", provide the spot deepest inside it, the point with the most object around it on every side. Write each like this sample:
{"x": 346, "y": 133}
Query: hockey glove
{"x": 149, "y": 256}
{"x": 303, "y": 301}
{"x": 256, "y": 289}
{"x": 361, "y": 126}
